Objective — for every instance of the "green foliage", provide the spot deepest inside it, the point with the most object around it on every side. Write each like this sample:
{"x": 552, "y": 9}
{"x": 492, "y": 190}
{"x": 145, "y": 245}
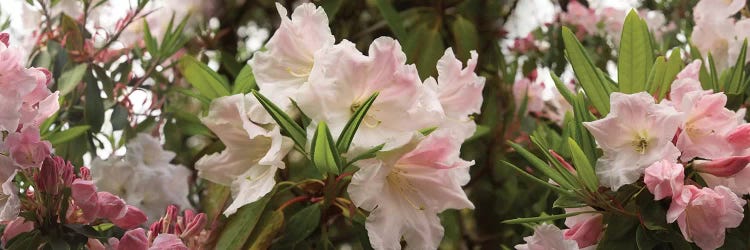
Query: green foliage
{"x": 287, "y": 124}
{"x": 347, "y": 134}
{"x": 591, "y": 79}
{"x": 636, "y": 55}
{"x": 243, "y": 224}
{"x": 325, "y": 156}
{"x": 210, "y": 84}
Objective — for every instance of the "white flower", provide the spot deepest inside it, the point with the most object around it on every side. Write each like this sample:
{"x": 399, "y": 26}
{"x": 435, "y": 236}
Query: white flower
{"x": 636, "y": 133}
{"x": 547, "y": 237}
{"x": 254, "y": 149}
{"x": 343, "y": 78}
{"x": 404, "y": 190}
{"x": 144, "y": 177}
{"x": 286, "y": 64}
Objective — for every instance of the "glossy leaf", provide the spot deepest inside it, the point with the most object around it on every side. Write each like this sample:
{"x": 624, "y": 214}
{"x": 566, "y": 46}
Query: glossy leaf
{"x": 636, "y": 55}
{"x": 286, "y": 123}
{"x": 209, "y": 83}
{"x": 301, "y": 225}
{"x": 71, "y": 78}
{"x": 325, "y": 156}
{"x": 591, "y": 81}
{"x": 245, "y": 81}
{"x": 583, "y": 166}
{"x": 241, "y": 225}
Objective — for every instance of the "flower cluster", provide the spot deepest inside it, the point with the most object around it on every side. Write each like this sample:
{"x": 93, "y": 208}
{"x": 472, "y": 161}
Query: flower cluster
{"x": 717, "y": 33}
{"x": 412, "y": 179}
{"x": 609, "y": 21}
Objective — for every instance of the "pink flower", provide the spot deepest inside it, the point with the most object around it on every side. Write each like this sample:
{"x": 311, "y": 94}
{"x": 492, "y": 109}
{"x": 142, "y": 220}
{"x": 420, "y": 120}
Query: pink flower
{"x": 168, "y": 242}
{"x": 4, "y": 38}
{"x": 704, "y": 214}
{"x": 133, "y": 217}
{"x": 133, "y": 240}
{"x": 724, "y": 167}
{"x": 94, "y": 244}
{"x": 111, "y": 206}
{"x": 740, "y": 137}
{"x": 56, "y": 174}
{"x": 27, "y": 149}
{"x": 16, "y": 227}
{"x": 582, "y": 17}
{"x": 664, "y": 179}
{"x": 585, "y": 229}
{"x": 85, "y": 196}
{"x": 706, "y": 126}
{"x": 635, "y": 134}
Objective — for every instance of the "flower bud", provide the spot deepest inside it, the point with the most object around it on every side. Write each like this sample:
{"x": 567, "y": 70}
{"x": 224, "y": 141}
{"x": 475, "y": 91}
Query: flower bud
{"x": 111, "y": 206}
{"x": 740, "y": 137}
{"x": 724, "y": 167}
{"x": 84, "y": 195}
{"x": 133, "y": 239}
{"x": 195, "y": 225}
{"x": 133, "y": 218}
{"x": 55, "y": 174}
{"x": 5, "y": 39}
{"x": 15, "y": 228}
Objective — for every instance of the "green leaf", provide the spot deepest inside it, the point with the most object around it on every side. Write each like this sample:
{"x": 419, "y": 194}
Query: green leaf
{"x": 215, "y": 197}
{"x": 568, "y": 201}
{"x": 736, "y": 83}
{"x": 286, "y": 123}
{"x": 71, "y": 78}
{"x": 371, "y": 153}
{"x": 465, "y": 36}
{"x": 542, "y": 166}
{"x": 94, "y": 107}
{"x": 582, "y": 135}
{"x": 270, "y": 224}
{"x": 323, "y": 151}
{"x": 241, "y": 225}
{"x": 594, "y": 84}
{"x": 392, "y": 18}
{"x": 73, "y": 35}
{"x": 23, "y": 241}
{"x": 245, "y": 81}
{"x": 537, "y": 180}
{"x": 673, "y": 67}
{"x": 714, "y": 73}
{"x": 544, "y": 218}
{"x": 209, "y": 83}
{"x": 64, "y": 136}
{"x": 583, "y": 166}
{"x": 347, "y": 134}
{"x": 301, "y": 225}
{"x": 119, "y": 117}
{"x": 635, "y": 56}
{"x": 151, "y": 45}
{"x": 424, "y": 48}
{"x": 620, "y": 233}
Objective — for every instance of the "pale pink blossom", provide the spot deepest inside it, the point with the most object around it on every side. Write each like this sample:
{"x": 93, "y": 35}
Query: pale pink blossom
{"x": 664, "y": 179}
{"x": 343, "y": 78}
{"x": 286, "y": 63}
{"x": 707, "y": 9}
{"x": 585, "y": 229}
{"x": 706, "y": 125}
{"x": 132, "y": 218}
{"x": 167, "y": 242}
{"x": 581, "y": 17}
{"x": 541, "y": 95}
{"x": 636, "y": 133}
{"x": 704, "y": 214}
{"x": 255, "y": 149}
{"x": 134, "y": 239}
{"x": 27, "y": 149}
{"x": 16, "y": 227}
{"x": 547, "y": 236}
{"x": 85, "y": 197}
{"x": 740, "y": 137}
{"x": 459, "y": 91}
{"x": 404, "y": 189}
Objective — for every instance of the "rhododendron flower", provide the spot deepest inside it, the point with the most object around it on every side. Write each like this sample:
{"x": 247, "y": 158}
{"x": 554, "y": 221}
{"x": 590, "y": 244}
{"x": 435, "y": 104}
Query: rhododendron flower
{"x": 740, "y": 137}
{"x": 585, "y": 228}
{"x": 704, "y": 214}
{"x": 664, "y": 179}
{"x": 147, "y": 179}
{"x": 168, "y": 242}
{"x": 459, "y": 91}
{"x": 636, "y": 133}
{"x": 739, "y": 183}
{"x": 706, "y": 126}
{"x": 706, "y": 9}
{"x": 281, "y": 70}
{"x": 546, "y": 237}
{"x": 132, "y": 239}
{"x": 15, "y": 228}
{"x": 724, "y": 167}
{"x": 343, "y": 78}
{"x": 27, "y": 149}
{"x": 254, "y": 149}
{"x": 404, "y": 190}
{"x": 583, "y": 18}
{"x": 541, "y": 95}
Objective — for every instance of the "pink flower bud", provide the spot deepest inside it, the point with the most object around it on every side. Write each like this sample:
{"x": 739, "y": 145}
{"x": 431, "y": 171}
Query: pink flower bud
{"x": 132, "y": 218}
{"x": 55, "y": 174}
{"x": 664, "y": 179}
{"x": 5, "y": 39}
{"x": 133, "y": 240}
{"x": 724, "y": 167}
{"x": 15, "y": 228}
{"x": 740, "y": 137}
{"x": 85, "y": 173}
{"x": 94, "y": 244}
{"x": 85, "y": 196}
{"x": 27, "y": 149}
{"x": 562, "y": 161}
{"x": 586, "y": 232}
{"x": 111, "y": 206}
{"x": 195, "y": 225}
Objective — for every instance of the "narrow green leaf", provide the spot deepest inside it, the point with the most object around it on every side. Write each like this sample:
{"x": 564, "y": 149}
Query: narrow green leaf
{"x": 71, "y": 78}
{"x": 564, "y": 91}
{"x": 535, "y": 179}
{"x": 347, "y": 134}
{"x": 737, "y": 76}
{"x": 542, "y": 166}
{"x": 371, "y": 153}
{"x": 323, "y": 151}
{"x": 94, "y": 107}
{"x": 151, "y": 45}
{"x": 119, "y": 118}
{"x": 270, "y": 224}
{"x": 209, "y": 83}
{"x": 714, "y": 73}
{"x": 392, "y": 18}
{"x": 241, "y": 225}
{"x": 245, "y": 81}
{"x": 582, "y": 135}
{"x": 64, "y": 136}
{"x": 673, "y": 67}
{"x": 424, "y": 47}
{"x": 593, "y": 84}
{"x": 286, "y": 123}
{"x": 72, "y": 31}
{"x": 465, "y": 36}
{"x": 301, "y": 225}
{"x": 635, "y": 56}
{"x": 544, "y": 218}
{"x": 583, "y": 166}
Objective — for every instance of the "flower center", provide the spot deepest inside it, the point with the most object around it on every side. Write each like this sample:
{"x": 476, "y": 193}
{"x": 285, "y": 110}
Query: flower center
{"x": 301, "y": 73}
{"x": 640, "y": 142}
{"x": 402, "y": 186}
{"x": 369, "y": 120}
